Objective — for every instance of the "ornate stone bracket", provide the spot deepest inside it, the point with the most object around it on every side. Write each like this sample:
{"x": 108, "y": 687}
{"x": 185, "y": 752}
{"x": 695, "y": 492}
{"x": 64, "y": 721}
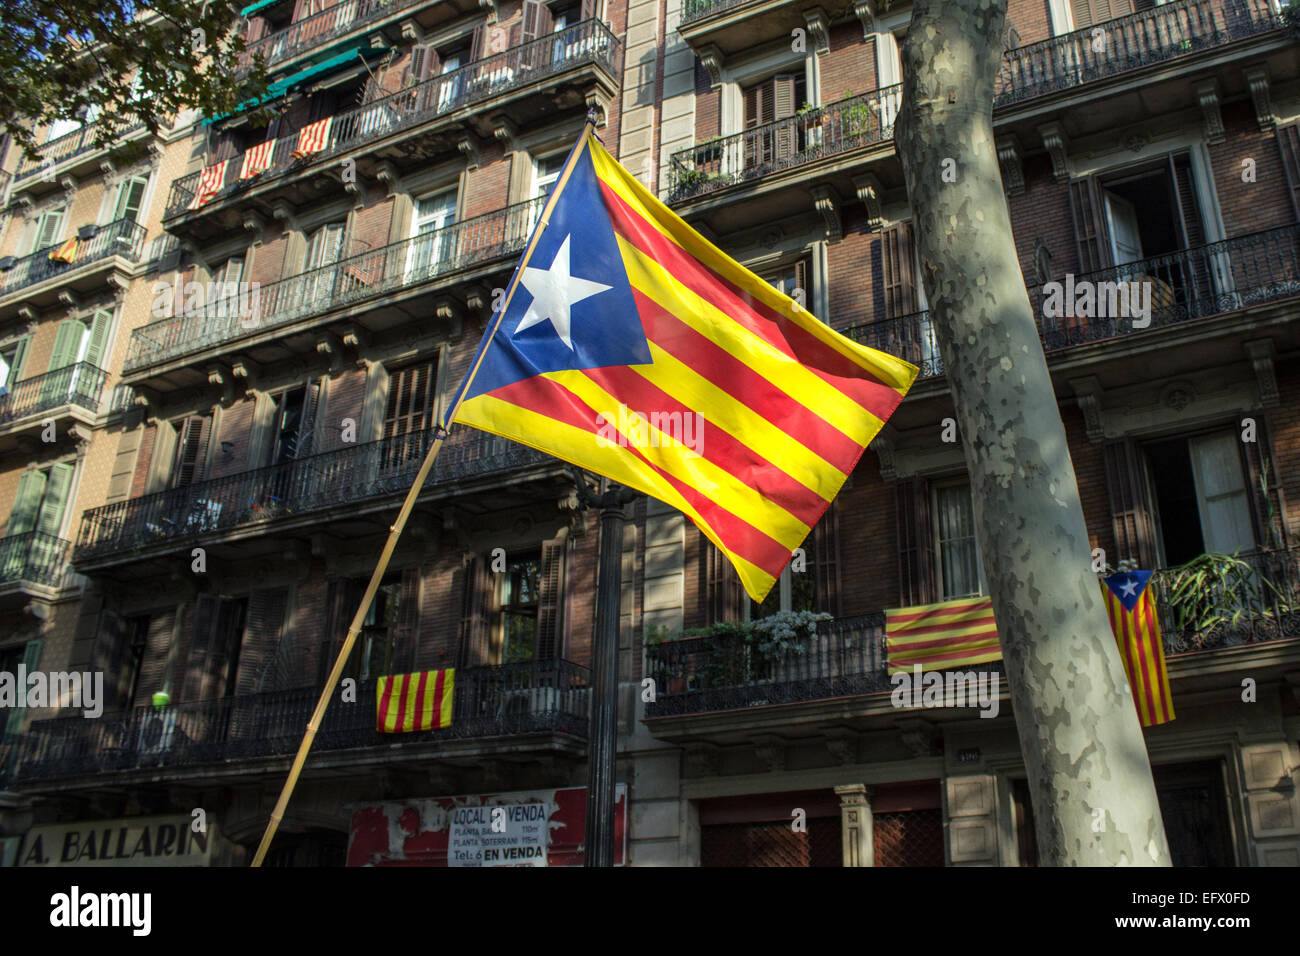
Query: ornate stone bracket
{"x": 412, "y": 32}
{"x": 827, "y": 202}
{"x": 1257, "y": 79}
{"x": 246, "y": 371}
{"x": 884, "y": 445}
{"x": 255, "y": 224}
{"x": 1055, "y": 143}
{"x": 331, "y": 348}
{"x": 69, "y": 298}
{"x": 843, "y": 745}
{"x": 285, "y": 213}
{"x": 504, "y": 132}
{"x": 868, "y": 189}
{"x": 1207, "y": 95}
{"x": 711, "y": 59}
{"x": 1012, "y": 161}
{"x": 917, "y": 734}
{"x": 1262, "y": 352}
{"x": 597, "y": 102}
{"x": 468, "y": 147}
{"x": 703, "y": 759}
{"x": 449, "y": 310}
{"x": 866, "y": 13}
{"x": 27, "y": 313}
{"x": 771, "y": 751}
{"x": 1088, "y": 391}
{"x": 355, "y": 340}
{"x": 478, "y": 299}
{"x": 819, "y": 28}
{"x": 220, "y": 378}
{"x": 81, "y": 436}
{"x": 388, "y": 175}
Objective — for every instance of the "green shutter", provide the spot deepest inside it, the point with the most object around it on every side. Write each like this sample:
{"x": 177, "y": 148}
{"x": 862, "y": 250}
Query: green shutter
{"x": 31, "y": 489}
{"x": 66, "y": 344}
{"x": 50, "y": 518}
{"x": 31, "y": 661}
{"x": 98, "y": 338}
{"x": 130, "y": 196}
{"x": 20, "y": 356}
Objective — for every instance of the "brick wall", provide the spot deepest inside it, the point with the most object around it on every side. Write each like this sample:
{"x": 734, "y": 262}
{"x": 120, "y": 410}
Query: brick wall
{"x": 854, "y": 272}
{"x": 850, "y": 66}
{"x": 1249, "y": 207}
{"x": 488, "y": 187}
{"x": 708, "y": 105}
{"x": 269, "y": 258}
{"x": 370, "y": 225}
{"x": 1031, "y": 20}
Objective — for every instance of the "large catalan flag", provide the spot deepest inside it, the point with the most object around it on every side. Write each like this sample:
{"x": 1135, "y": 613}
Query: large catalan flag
{"x": 941, "y": 636}
{"x": 1132, "y": 613}
{"x": 411, "y": 702}
{"x": 626, "y": 325}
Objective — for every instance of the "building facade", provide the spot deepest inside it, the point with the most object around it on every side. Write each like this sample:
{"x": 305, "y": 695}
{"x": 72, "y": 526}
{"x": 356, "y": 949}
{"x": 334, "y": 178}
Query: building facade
{"x": 322, "y": 278}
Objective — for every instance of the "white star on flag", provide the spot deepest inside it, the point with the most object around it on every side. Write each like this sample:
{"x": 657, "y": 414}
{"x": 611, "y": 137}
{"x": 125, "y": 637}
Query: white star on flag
{"x": 1129, "y": 587}
{"x": 554, "y": 290}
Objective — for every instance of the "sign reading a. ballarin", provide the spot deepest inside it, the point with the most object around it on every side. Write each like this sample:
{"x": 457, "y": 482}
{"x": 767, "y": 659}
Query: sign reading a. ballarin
{"x": 138, "y": 841}
{"x": 512, "y": 835}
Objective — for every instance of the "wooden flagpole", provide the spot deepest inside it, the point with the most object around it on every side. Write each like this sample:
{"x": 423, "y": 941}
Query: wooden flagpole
{"x": 408, "y": 506}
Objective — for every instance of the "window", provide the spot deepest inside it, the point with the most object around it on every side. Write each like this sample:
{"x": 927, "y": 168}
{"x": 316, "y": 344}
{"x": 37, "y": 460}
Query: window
{"x": 212, "y": 663}
{"x": 764, "y": 103}
{"x": 517, "y": 606}
{"x": 62, "y": 127}
{"x": 1201, "y": 498}
{"x": 12, "y": 357}
{"x": 136, "y": 637}
{"x": 408, "y": 413}
{"x": 957, "y": 555}
{"x": 40, "y": 501}
{"x": 377, "y": 642}
{"x": 130, "y": 197}
{"x": 191, "y": 449}
{"x": 546, "y": 170}
{"x": 10, "y": 658}
{"x": 432, "y": 248}
{"x": 323, "y": 247}
{"x": 791, "y": 278}
{"x": 46, "y": 230}
{"x": 290, "y": 428}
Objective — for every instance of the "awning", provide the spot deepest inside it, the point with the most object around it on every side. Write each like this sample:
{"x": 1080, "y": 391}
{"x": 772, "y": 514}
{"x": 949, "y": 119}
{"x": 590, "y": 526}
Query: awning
{"x": 282, "y": 86}
{"x": 252, "y": 8}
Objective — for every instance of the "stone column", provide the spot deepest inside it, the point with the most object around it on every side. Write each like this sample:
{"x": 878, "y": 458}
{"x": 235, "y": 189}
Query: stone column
{"x": 856, "y": 825}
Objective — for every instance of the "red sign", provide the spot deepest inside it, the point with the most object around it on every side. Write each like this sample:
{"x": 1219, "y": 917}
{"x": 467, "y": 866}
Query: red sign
{"x": 532, "y": 828}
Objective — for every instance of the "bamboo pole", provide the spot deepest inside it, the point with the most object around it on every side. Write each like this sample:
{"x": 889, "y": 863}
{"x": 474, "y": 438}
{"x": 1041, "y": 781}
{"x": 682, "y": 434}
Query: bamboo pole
{"x": 395, "y": 531}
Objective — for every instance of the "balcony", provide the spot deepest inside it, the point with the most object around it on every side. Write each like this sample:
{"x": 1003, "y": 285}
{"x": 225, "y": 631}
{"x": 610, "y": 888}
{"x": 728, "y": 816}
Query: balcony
{"x": 523, "y": 84}
{"x": 1259, "y": 621}
{"x": 734, "y": 26}
{"x": 313, "y": 32}
{"x": 358, "y": 279}
{"x": 1247, "y": 275}
{"x": 38, "y": 277}
{"x": 538, "y": 706}
{"x": 354, "y": 487}
{"x": 76, "y": 389}
{"x": 823, "y": 144}
{"x": 34, "y": 564}
{"x": 73, "y": 154}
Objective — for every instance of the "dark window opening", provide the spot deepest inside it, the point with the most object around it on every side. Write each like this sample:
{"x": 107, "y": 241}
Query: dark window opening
{"x": 519, "y": 600}
{"x": 1193, "y": 804}
{"x": 1171, "y": 479}
{"x": 1201, "y": 497}
{"x": 136, "y": 636}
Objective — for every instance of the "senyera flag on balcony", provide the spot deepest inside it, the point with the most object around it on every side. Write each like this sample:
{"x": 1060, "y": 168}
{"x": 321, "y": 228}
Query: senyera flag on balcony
{"x": 210, "y": 183}
{"x": 1132, "y": 613}
{"x": 406, "y": 703}
{"x": 313, "y": 138}
{"x": 631, "y": 346}
{"x": 66, "y": 252}
{"x": 257, "y": 160}
{"x": 941, "y": 636}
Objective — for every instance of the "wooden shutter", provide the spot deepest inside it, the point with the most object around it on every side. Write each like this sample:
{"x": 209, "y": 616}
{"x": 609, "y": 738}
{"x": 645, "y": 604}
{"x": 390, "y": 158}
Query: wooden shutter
{"x": 476, "y": 41}
{"x": 1288, "y": 143}
{"x": 50, "y": 518}
{"x": 27, "y": 502}
{"x": 257, "y": 28}
{"x": 1130, "y": 505}
{"x": 153, "y": 667}
{"x": 424, "y": 64}
{"x": 411, "y": 396}
{"x": 20, "y": 357}
{"x": 191, "y": 448}
{"x": 67, "y": 343}
{"x": 343, "y": 598}
{"x": 130, "y": 196}
{"x": 725, "y": 594}
{"x": 537, "y": 20}
{"x": 825, "y": 558}
{"x": 107, "y": 657}
{"x": 898, "y": 269}
{"x": 193, "y": 663}
{"x": 475, "y": 618}
{"x": 51, "y": 227}
{"x": 915, "y": 543}
{"x": 406, "y": 631}
{"x": 1091, "y": 237}
{"x": 1263, "y": 486}
{"x": 31, "y": 662}
{"x": 588, "y": 10}
{"x": 550, "y": 590}
{"x": 98, "y": 339}
{"x": 266, "y": 610}
{"x": 784, "y": 107}
{"x": 1088, "y": 12}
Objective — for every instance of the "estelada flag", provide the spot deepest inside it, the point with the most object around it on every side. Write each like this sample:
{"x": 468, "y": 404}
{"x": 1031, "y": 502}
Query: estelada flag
{"x": 631, "y": 346}
{"x": 408, "y": 702}
{"x": 941, "y": 636}
{"x": 1132, "y": 613}
{"x": 66, "y": 252}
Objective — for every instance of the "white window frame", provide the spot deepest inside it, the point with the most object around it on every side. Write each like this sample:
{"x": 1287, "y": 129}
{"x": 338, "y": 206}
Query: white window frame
{"x": 940, "y": 586}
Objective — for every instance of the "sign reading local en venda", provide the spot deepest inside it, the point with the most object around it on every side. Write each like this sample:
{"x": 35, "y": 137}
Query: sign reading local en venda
{"x": 137, "y": 841}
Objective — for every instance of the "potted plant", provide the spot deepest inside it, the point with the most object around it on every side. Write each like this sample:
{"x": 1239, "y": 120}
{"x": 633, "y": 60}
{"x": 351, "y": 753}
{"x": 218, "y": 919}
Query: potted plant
{"x": 1214, "y": 595}
{"x": 669, "y": 668}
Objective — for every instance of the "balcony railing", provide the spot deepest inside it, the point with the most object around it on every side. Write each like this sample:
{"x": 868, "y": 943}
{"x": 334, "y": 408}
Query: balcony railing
{"x": 847, "y": 657}
{"x": 509, "y": 700}
{"x": 346, "y": 476}
{"x": 121, "y": 238}
{"x": 377, "y": 272}
{"x": 587, "y": 42}
{"x": 79, "y": 384}
{"x": 852, "y": 123}
{"x": 36, "y": 557}
{"x": 693, "y": 10}
{"x": 65, "y": 147}
{"x": 1153, "y": 36}
{"x": 1238, "y": 273}
{"x": 319, "y": 28}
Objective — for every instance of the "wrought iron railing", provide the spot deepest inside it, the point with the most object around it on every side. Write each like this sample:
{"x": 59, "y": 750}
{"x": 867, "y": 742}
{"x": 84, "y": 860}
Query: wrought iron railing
{"x": 815, "y": 134}
{"x": 1073, "y": 59}
{"x": 321, "y": 27}
{"x": 509, "y": 700}
{"x": 65, "y": 147}
{"x": 346, "y": 476}
{"x": 589, "y": 41}
{"x": 376, "y": 272}
{"x": 36, "y": 557}
{"x": 694, "y": 10}
{"x": 1153, "y": 293}
{"x": 1162, "y": 33}
{"x": 79, "y": 384}
{"x": 120, "y": 238}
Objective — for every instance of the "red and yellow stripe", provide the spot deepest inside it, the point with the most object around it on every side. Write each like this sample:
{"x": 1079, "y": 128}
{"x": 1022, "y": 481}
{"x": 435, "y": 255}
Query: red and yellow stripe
{"x": 411, "y": 702}
{"x": 941, "y": 636}
{"x": 788, "y": 405}
{"x": 1142, "y": 651}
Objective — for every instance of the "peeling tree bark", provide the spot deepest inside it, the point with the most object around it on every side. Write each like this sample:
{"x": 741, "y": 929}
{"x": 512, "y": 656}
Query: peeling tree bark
{"x": 1090, "y": 778}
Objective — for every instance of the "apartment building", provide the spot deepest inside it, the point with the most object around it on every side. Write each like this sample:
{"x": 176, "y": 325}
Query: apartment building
{"x": 269, "y": 437}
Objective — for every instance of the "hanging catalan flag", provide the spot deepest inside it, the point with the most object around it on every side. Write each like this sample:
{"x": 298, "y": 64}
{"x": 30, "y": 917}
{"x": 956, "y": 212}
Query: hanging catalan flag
{"x": 1132, "y": 612}
{"x": 411, "y": 702}
{"x": 941, "y": 636}
{"x": 313, "y": 138}
{"x": 66, "y": 252}
{"x": 631, "y": 346}
{"x": 257, "y": 160}
{"x": 210, "y": 182}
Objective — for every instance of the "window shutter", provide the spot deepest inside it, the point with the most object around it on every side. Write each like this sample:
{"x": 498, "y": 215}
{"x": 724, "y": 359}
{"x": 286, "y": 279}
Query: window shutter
{"x": 20, "y": 356}
{"x": 1091, "y": 237}
{"x": 130, "y": 196}
{"x": 537, "y": 20}
{"x": 107, "y": 658}
{"x": 825, "y": 544}
{"x": 1288, "y": 143}
{"x": 67, "y": 343}
{"x": 194, "y": 668}
{"x": 1130, "y": 506}
{"x": 898, "y": 270}
{"x": 1267, "y": 502}
{"x": 406, "y": 633}
{"x": 783, "y": 96}
{"x": 98, "y": 338}
{"x": 27, "y": 502}
{"x": 51, "y": 228}
{"x": 476, "y": 43}
{"x": 266, "y": 610}
{"x": 915, "y": 543}
{"x": 753, "y": 106}
{"x": 257, "y": 28}
{"x": 344, "y": 597}
{"x": 551, "y": 586}
{"x": 191, "y": 446}
{"x": 153, "y": 667}
{"x": 31, "y": 662}
{"x": 50, "y": 519}
{"x": 424, "y": 64}
{"x": 726, "y": 595}
{"x": 476, "y": 597}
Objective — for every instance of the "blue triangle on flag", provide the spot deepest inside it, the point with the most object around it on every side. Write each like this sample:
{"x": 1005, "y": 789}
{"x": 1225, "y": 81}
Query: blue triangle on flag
{"x": 1127, "y": 586}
